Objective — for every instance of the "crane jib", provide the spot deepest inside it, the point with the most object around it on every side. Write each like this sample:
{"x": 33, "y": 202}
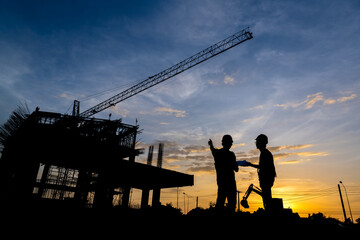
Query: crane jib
{"x": 182, "y": 66}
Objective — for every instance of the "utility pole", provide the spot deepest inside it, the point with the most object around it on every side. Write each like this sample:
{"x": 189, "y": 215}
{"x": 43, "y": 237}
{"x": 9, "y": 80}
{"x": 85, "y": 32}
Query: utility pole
{"x": 238, "y": 198}
{"x": 347, "y": 198}
{"x": 177, "y": 197}
{"x": 188, "y": 204}
{"x": 342, "y": 203}
{"x": 184, "y": 203}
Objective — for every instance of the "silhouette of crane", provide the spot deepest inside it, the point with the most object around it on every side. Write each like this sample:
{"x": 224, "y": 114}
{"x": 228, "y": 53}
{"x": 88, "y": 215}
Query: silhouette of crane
{"x": 182, "y": 66}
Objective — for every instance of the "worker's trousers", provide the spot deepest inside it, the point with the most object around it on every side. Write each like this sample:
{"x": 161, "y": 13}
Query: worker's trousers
{"x": 226, "y": 191}
{"x": 266, "y": 194}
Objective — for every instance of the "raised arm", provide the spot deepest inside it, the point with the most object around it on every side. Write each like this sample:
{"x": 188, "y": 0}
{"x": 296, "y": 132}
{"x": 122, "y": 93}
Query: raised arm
{"x": 211, "y": 145}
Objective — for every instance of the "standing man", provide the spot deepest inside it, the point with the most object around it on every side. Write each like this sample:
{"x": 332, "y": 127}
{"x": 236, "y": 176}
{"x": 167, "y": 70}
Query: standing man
{"x": 225, "y": 165}
{"x": 266, "y": 170}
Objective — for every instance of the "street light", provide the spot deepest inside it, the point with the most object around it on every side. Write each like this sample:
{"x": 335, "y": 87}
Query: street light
{"x": 184, "y": 204}
{"x": 347, "y": 201}
{"x": 186, "y": 210}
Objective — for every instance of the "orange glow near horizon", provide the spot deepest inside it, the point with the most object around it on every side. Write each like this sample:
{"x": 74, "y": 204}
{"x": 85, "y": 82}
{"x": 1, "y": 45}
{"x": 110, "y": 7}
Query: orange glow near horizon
{"x": 303, "y": 182}
{"x": 301, "y": 198}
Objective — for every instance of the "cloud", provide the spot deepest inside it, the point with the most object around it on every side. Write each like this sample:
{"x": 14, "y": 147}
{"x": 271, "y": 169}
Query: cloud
{"x": 329, "y": 101}
{"x": 308, "y": 102}
{"x": 183, "y": 87}
{"x": 258, "y": 107}
{"x": 290, "y": 162}
{"x": 290, "y": 147}
{"x": 312, "y": 99}
{"x": 188, "y": 158}
{"x": 299, "y": 154}
{"x": 246, "y": 175}
{"x": 196, "y": 149}
{"x": 238, "y": 145}
{"x": 66, "y": 96}
{"x": 212, "y": 82}
{"x": 312, "y": 154}
{"x": 253, "y": 155}
{"x": 197, "y": 159}
{"x": 340, "y": 100}
{"x": 344, "y": 99}
{"x": 267, "y": 55}
{"x": 170, "y": 111}
{"x": 229, "y": 80}
{"x": 202, "y": 169}
{"x": 123, "y": 112}
{"x": 252, "y": 119}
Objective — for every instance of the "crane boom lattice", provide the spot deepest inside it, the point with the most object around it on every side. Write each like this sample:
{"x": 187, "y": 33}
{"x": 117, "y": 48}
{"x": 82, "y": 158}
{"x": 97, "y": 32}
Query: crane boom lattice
{"x": 182, "y": 66}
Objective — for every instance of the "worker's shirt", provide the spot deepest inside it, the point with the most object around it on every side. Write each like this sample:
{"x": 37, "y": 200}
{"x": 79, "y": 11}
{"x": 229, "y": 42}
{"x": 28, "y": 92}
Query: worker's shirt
{"x": 266, "y": 169}
{"x": 225, "y": 165}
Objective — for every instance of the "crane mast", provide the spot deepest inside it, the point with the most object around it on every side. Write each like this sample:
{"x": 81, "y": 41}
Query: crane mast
{"x": 182, "y": 66}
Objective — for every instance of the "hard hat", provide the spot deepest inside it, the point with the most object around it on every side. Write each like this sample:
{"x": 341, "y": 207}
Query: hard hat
{"x": 227, "y": 138}
{"x": 262, "y": 138}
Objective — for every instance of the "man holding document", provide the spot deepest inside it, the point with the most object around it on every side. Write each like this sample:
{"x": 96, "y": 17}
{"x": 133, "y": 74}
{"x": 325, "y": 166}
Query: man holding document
{"x": 266, "y": 170}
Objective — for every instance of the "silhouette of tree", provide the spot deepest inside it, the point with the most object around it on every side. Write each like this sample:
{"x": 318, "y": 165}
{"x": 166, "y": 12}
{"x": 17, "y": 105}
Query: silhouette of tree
{"x": 317, "y": 216}
{"x": 13, "y": 124}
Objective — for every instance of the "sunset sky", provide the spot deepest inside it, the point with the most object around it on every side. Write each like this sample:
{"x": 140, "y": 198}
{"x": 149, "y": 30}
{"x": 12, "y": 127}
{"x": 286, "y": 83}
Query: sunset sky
{"x": 297, "y": 81}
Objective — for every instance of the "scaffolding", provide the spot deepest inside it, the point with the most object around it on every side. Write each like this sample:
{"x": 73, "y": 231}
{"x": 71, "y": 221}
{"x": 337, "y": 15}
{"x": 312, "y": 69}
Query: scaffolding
{"x": 72, "y": 161}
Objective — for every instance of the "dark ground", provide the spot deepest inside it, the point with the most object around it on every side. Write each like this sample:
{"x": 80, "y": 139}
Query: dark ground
{"x": 168, "y": 222}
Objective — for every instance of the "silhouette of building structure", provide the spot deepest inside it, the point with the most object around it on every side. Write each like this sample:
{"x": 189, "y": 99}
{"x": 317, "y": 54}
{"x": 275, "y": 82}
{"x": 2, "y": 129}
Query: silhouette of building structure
{"x": 59, "y": 160}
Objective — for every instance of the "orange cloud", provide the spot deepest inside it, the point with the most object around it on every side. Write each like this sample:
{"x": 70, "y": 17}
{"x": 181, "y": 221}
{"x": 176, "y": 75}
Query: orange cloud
{"x": 290, "y": 147}
{"x": 344, "y": 99}
{"x": 170, "y": 111}
{"x": 340, "y": 100}
{"x": 312, "y": 154}
{"x": 229, "y": 80}
{"x": 290, "y": 162}
{"x": 308, "y": 102}
{"x": 300, "y": 154}
{"x": 312, "y": 99}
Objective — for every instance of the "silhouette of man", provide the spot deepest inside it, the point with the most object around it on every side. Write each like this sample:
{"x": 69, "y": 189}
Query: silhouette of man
{"x": 225, "y": 165}
{"x": 266, "y": 170}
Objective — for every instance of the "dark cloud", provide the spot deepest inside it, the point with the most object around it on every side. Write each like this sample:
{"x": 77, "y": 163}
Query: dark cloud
{"x": 207, "y": 169}
{"x": 198, "y": 159}
{"x": 253, "y": 155}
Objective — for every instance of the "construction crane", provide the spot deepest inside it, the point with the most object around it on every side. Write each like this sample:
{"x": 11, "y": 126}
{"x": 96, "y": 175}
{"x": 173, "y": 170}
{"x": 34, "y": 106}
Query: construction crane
{"x": 182, "y": 66}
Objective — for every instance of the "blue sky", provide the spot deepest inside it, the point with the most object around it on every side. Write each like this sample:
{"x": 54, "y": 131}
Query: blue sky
{"x": 297, "y": 81}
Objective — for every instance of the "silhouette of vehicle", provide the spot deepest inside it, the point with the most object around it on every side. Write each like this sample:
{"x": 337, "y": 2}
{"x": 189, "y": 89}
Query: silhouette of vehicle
{"x": 276, "y": 203}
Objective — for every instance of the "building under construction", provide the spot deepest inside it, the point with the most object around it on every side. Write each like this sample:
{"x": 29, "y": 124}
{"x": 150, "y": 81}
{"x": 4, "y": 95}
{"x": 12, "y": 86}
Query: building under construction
{"x": 57, "y": 160}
